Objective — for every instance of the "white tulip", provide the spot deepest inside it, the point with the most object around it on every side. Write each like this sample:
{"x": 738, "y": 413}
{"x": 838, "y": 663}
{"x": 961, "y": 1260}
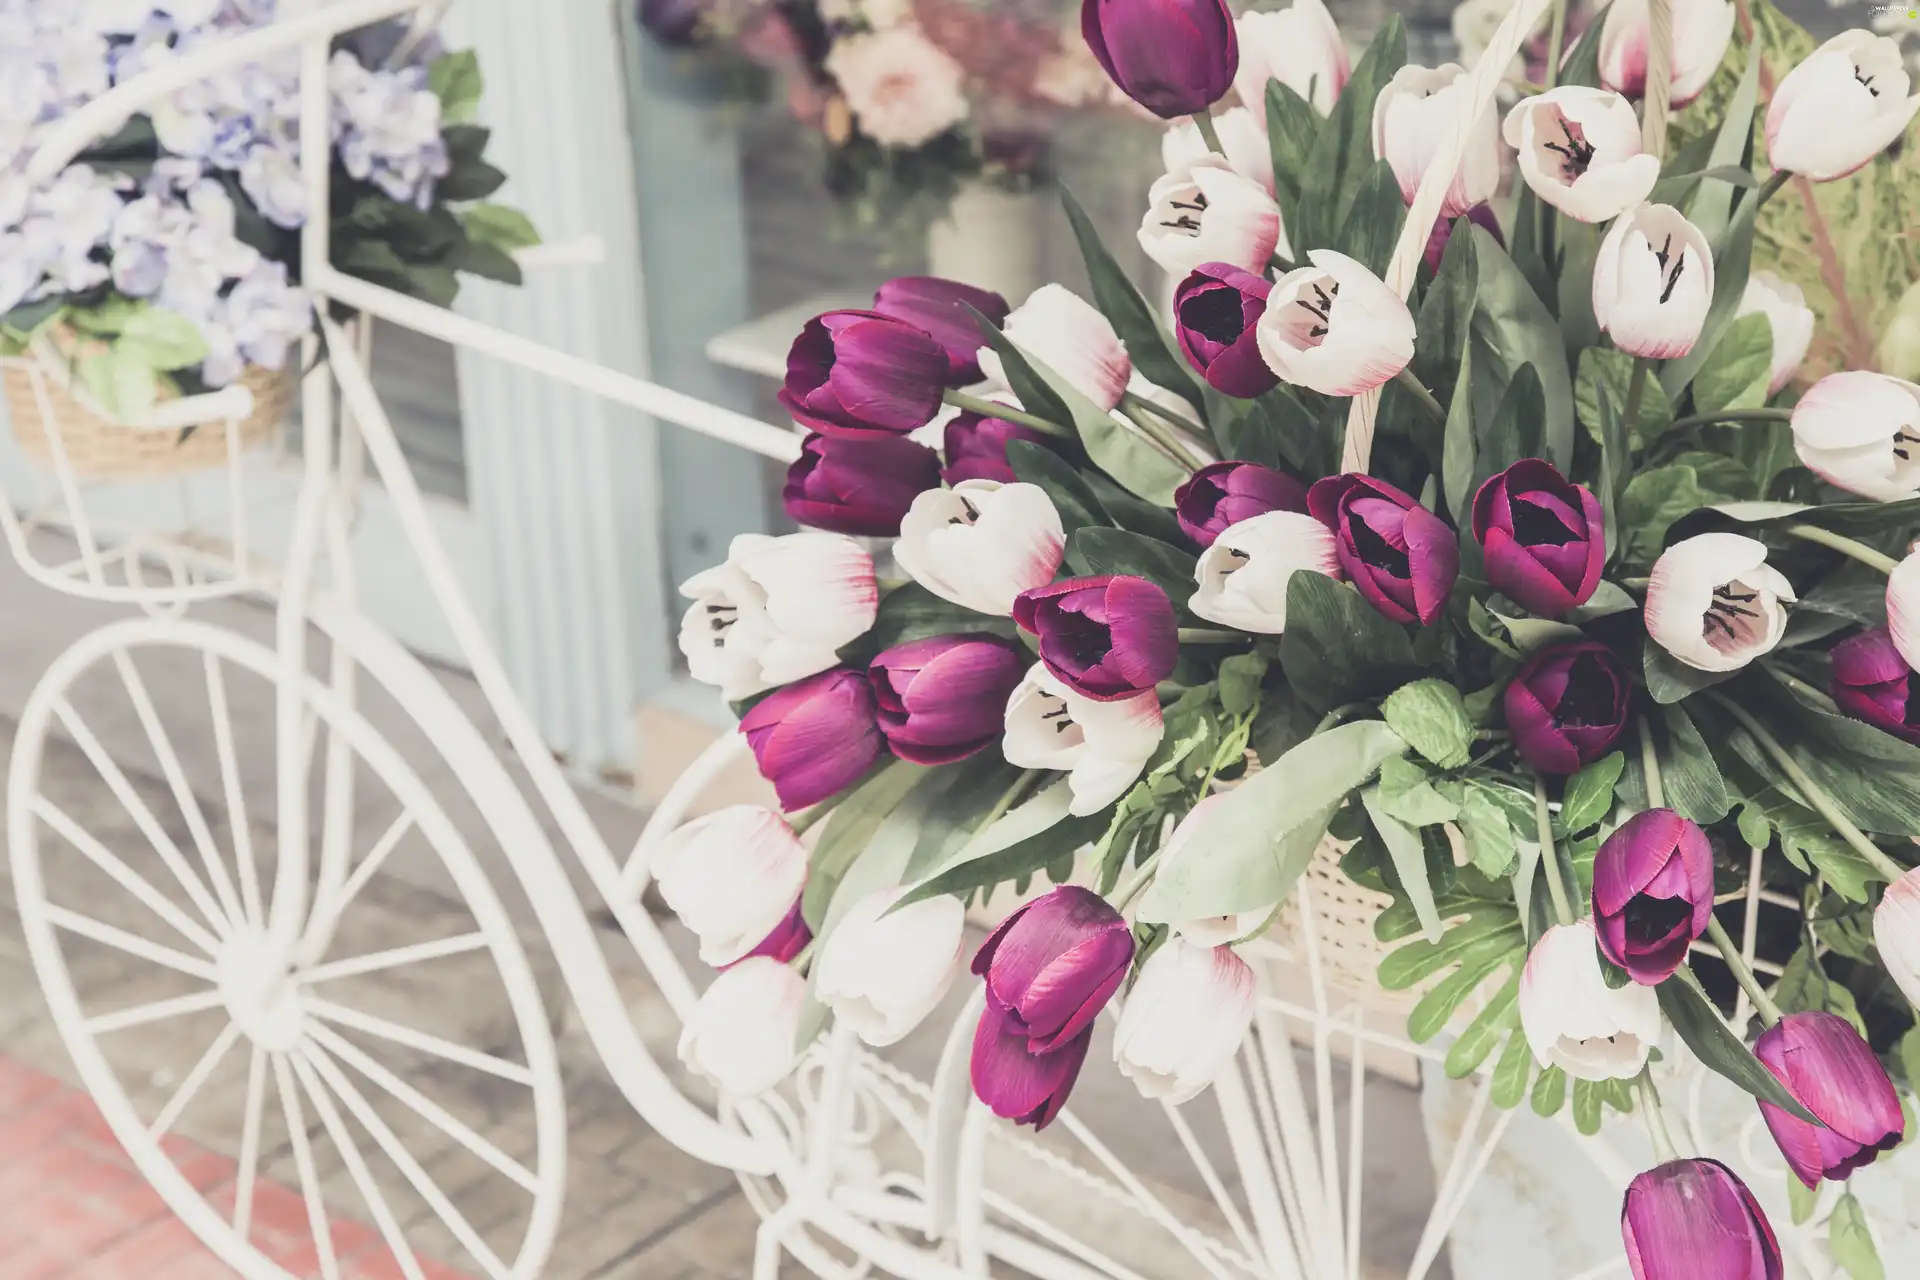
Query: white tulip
{"x": 1300, "y": 47}
{"x": 1102, "y": 746}
{"x": 740, "y": 1036}
{"x": 731, "y": 876}
{"x": 1861, "y": 431}
{"x": 1896, "y": 932}
{"x": 1193, "y": 839}
{"x": 1243, "y": 576}
{"x": 1653, "y": 282}
{"x": 1183, "y": 1021}
{"x": 1903, "y": 608}
{"x": 981, "y": 543}
{"x": 1841, "y": 107}
{"x": 1789, "y": 318}
{"x": 1243, "y": 136}
{"x": 1067, "y": 334}
{"x": 1715, "y": 603}
{"x": 1579, "y": 149}
{"x": 1335, "y": 327}
{"x": 1573, "y": 1020}
{"x": 1205, "y": 212}
{"x": 1411, "y": 118}
{"x": 881, "y": 974}
{"x": 1702, "y": 29}
{"x": 778, "y": 610}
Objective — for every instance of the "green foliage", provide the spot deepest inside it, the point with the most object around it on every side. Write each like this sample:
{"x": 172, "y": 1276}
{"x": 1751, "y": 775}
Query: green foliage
{"x": 1851, "y": 1241}
{"x": 1699, "y": 1024}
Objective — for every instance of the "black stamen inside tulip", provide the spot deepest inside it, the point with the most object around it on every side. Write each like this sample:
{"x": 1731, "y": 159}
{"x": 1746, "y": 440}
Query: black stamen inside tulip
{"x": 1059, "y": 713}
{"x": 1321, "y": 308}
{"x": 1239, "y": 558}
{"x": 1727, "y": 605}
{"x": 1900, "y": 438}
{"x": 1649, "y": 920}
{"x": 1590, "y": 697}
{"x": 1673, "y": 276}
{"x": 1536, "y": 526}
{"x": 1086, "y": 641}
{"x": 1576, "y": 151}
{"x": 1866, "y": 81}
{"x": 1215, "y": 315}
{"x": 1377, "y": 552}
{"x": 720, "y": 617}
{"x": 1188, "y": 222}
{"x": 972, "y": 512}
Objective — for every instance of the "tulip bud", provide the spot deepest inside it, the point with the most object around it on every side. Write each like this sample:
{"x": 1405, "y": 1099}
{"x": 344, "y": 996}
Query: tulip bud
{"x": 1205, "y": 212}
{"x": 858, "y": 485}
{"x": 1401, "y": 556}
{"x": 1243, "y": 576}
{"x": 976, "y": 446}
{"x": 1411, "y": 118}
{"x": 1222, "y": 494}
{"x": 1653, "y": 282}
{"x": 731, "y": 876}
{"x": 1652, "y": 893}
{"x": 944, "y": 310}
{"x": 1844, "y": 105}
{"x": 815, "y": 737}
{"x": 1184, "y": 1020}
{"x": 1567, "y": 705}
{"x": 1106, "y": 637}
{"x": 1050, "y": 968}
{"x": 1896, "y": 934}
{"x": 1194, "y": 839}
{"x": 1063, "y": 332}
{"x": 980, "y": 544}
{"x": 1300, "y": 47}
{"x": 1216, "y": 312}
{"x": 1335, "y": 327}
{"x": 1173, "y": 57}
{"x": 1715, "y": 603}
{"x": 740, "y": 1035}
{"x": 1579, "y": 149}
{"x": 1871, "y": 683}
{"x": 883, "y": 971}
{"x": 1243, "y": 137}
{"x": 1833, "y": 1073}
{"x": 777, "y": 610}
{"x": 1903, "y": 608}
{"x": 1860, "y": 431}
{"x": 1544, "y": 537}
{"x": 943, "y": 698}
{"x": 1702, "y": 29}
{"x": 1695, "y": 1219}
{"x": 863, "y": 373}
{"x": 1789, "y": 319}
{"x": 1573, "y": 1020}
{"x": 1101, "y": 746}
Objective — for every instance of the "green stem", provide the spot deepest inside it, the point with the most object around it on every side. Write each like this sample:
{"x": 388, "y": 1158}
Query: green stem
{"x": 1204, "y": 122}
{"x": 1733, "y": 415}
{"x": 1556, "y": 42}
{"x": 1812, "y": 792}
{"x": 1656, "y": 1116}
{"x": 1143, "y": 411}
{"x": 1636, "y": 391}
{"x": 1336, "y": 715}
{"x": 1013, "y": 795}
{"x": 1006, "y": 413}
{"x": 803, "y": 957}
{"x": 1806, "y": 691}
{"x": 1650, "y": 765}
{"x": 1209, "y": 635}
{"x": 1158, "y": 436}
{"x": 1280, "y": 264}
{"x": 1419, "y": 392}
{"x": 1550, "y": 856}
{"x": 1142, "y": 876}
{"x": 1159, "y": 410}
{"x": 1844, "y": 545}
{"x": 1771, "y": 186}
{"x": 1717, "y": 934}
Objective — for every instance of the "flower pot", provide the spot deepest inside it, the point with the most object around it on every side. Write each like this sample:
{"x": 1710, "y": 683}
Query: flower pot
{"x": 989, "y": 238}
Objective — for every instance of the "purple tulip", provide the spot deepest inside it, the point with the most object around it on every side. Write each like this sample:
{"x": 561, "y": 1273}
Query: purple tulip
{"x": 1050, "y": 968}
{"x": 1401, "y": 556}
{"x": 1215, "y": 311}
{"x": 1173, "y": 57}
{"x": 1870, "y": 683}
{"x": 1833, "y": 1073}
{"x": 976, "y": 447}
{"x": 1480, "y": 215}
{"x": 1106, "y": 638}
{"x": 674, "y": 23}
{"x": 1222, "y": 494}
{"x": 858, "y": 485}
{"x": 859, "y": 373}
{"x": 1544, "y": 537}
{"x": 788, "y": 939}
{"x": 944, "y": 698}
{"x": 1694, "y": 1220}
{"x": 1567, "y": 705}
{"x": 940, "y": 307}
{"x": 815, "y": 736}
{"x": 1652, "y": 893}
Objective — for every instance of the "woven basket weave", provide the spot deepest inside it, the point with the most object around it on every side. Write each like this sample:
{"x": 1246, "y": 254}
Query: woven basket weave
{"x": 98, "y": 446}
{"x": 1343, "y": 916}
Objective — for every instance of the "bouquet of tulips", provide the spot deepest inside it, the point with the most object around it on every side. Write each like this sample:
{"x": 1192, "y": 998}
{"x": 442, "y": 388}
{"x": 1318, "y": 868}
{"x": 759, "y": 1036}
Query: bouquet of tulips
{"x": 1492, "y": 539}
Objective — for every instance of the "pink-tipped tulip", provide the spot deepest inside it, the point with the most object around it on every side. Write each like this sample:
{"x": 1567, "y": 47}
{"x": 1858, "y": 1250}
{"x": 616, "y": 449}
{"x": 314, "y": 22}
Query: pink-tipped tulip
{"x": 1652, "y": 893}
{"x": 1694, "y": 1220}
{"x": 1833, "y": 1073}
{"x": 1401, "y": 556}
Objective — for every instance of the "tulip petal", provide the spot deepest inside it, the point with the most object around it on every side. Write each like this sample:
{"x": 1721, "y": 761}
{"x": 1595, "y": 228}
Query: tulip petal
{"x": 1014, "y": 1083}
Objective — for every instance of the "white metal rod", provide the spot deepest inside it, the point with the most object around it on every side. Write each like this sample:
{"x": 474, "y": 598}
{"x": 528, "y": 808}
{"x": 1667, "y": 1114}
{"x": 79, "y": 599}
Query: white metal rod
{"x": 370, "y": 865}
{"x": 357, "y": 1169}
{"x": 395, "y": 957}
{"x": 1211, "y": 1177}
{"x": 250, "y": 1142}
{"x": 424, "y": 1041}
{"x": 134, "y": 945}
{"x": 190, "y": 1087}
{"x": 1299, "y": 1142}
{"x": 1147, "y": 1201}
{"x": 237, "y": 821}
{"x": 309, "y": 1175}
{"x": 117, "y": 871}
{"x": 1256, "y": 1172}
{"x": 141, "y": 1015}
{"x": 1323, "y": 1077}
{"x": 1356, "y": 1142}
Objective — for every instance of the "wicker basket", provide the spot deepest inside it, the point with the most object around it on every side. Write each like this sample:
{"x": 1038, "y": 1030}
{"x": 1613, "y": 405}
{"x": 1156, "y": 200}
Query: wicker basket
{"x": 1343, "y": 916}
{"x": 97, "y": 446}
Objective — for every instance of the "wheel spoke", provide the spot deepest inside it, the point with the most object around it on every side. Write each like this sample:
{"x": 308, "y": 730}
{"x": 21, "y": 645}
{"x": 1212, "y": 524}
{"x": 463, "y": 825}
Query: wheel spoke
{"x": 121, "y": 874}
{"x": 132, "y": 944}
{"x": 142, "y": 816}
{"x": 309, "y": 1175}
{"x": 368, "y": 868}
{"x": 421, "y": 1040}
{"x": 236, "y": 797}
{"x": 425, "y": 1107}
{"x": 140, "y": 1015}
{"x": 250, "y": 1142}
{"x": 190, "y": 1087}
{"x": 374, "y": 962}
{"x": 357, "y": 1169}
